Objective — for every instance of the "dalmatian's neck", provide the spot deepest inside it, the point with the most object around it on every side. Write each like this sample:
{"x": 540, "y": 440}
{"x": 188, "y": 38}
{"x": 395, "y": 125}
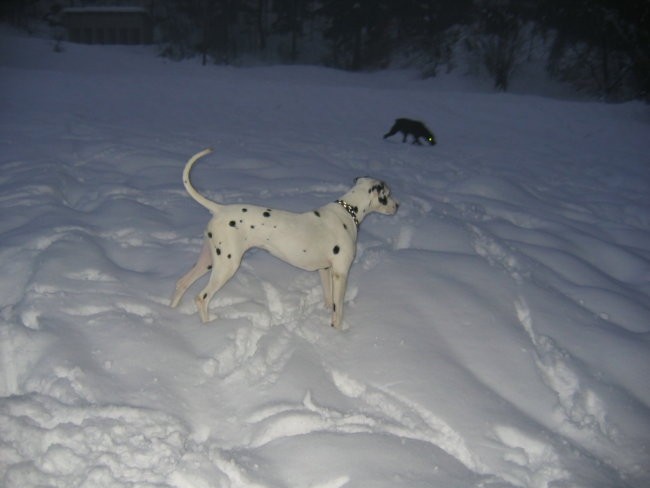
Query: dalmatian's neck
{"x": 356, "y": 203}
{"x": 351, "y": 210}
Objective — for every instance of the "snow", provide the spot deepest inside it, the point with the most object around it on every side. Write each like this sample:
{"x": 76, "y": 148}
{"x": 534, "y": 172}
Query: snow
{"x": 497, "y": 327}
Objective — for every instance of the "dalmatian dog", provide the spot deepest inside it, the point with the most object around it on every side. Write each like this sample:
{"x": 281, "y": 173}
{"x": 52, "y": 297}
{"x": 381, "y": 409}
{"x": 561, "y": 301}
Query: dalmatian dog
{"x": 322, "y": 240}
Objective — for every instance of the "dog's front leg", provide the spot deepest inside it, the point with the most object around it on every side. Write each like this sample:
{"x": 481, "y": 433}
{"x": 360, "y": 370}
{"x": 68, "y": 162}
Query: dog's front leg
{"x": 202, "y": 266}
{"x": 326, "y": 281}
{"x": 339, "y": 284}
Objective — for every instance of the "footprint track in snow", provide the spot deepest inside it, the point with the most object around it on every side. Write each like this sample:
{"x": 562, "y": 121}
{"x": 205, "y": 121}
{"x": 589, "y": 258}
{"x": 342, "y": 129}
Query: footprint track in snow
{"x": 403, "y": 417}
{"x": 532, "y": 462}
{"x": 378, "y": 411}
{"x": 103, "y": 445}
{"x": 578, "y": 404}
{"x": 498, "y": 254}
{"x": 260, "y": 348}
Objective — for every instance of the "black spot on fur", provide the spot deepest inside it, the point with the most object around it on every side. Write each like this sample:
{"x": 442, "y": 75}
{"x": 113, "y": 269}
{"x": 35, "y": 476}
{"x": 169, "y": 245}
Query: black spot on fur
{"x": 252, "y": 226}
{"x": 232, "y": 223}
{"x": 316, "y": 213}
{"x": 345, "y": 227}
{"x": 379, "y": 188}
{"x": 336, "y": 249}
{"x": 334, "y": 307}
{"x": 244, "y": 210}
{"x": 267, "y": 214}
{"x": 229, "y": 256}
{"x": 210, "y": 235}
{"x": 205, "y": 295}
{"x": 218, "y": 252}
{"x": 210, "y": 267}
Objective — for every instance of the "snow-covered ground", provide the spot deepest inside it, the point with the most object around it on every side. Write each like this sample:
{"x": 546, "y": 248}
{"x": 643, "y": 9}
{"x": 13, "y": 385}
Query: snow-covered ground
{"x": 497, "y": 327}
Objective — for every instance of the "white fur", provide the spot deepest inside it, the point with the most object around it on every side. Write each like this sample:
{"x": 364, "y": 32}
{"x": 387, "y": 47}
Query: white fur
{"x": 322, "y": 240}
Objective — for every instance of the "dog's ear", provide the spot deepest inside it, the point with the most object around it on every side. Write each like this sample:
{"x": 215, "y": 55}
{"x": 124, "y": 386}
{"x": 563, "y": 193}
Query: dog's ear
{"x": 359, "y": 177}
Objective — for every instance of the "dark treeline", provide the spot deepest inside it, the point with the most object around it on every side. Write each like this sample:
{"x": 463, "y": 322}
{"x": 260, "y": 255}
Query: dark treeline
{"x": 600, "y": 46}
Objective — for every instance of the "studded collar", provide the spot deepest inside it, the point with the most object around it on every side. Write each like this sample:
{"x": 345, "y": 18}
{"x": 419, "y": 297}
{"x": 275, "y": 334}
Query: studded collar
{"x": 351, "y": 210}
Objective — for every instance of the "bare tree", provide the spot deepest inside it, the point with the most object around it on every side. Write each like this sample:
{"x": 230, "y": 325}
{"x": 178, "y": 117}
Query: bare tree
{"x": 600, "y": 46}
{"x": 497, "y": 39}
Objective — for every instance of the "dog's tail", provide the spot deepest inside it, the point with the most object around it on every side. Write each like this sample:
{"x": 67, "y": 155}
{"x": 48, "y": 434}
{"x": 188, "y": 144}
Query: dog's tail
{"x": 209, "y": 204}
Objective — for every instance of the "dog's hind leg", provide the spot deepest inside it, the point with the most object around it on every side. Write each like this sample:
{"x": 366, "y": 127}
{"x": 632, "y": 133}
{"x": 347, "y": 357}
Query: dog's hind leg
{"x": 222, "y": 271}
{"x": 202, "y": 266}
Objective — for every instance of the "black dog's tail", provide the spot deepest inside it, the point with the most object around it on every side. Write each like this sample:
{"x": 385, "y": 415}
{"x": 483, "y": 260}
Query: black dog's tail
{"x": 209, "y": 204}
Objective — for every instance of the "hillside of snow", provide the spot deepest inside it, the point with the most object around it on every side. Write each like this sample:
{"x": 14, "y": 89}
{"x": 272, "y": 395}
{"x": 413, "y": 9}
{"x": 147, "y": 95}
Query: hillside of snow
{"x": 497, "y": 328}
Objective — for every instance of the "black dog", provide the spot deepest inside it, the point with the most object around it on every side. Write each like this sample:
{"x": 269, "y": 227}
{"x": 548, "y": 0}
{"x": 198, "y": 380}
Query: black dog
{"x": 414, "y": 127}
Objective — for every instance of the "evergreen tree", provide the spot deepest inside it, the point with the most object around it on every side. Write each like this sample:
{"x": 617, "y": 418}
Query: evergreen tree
{"x": 290, "y": 16}
{"x": 358, "y": 31}
{"x": 601, "y": 46}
